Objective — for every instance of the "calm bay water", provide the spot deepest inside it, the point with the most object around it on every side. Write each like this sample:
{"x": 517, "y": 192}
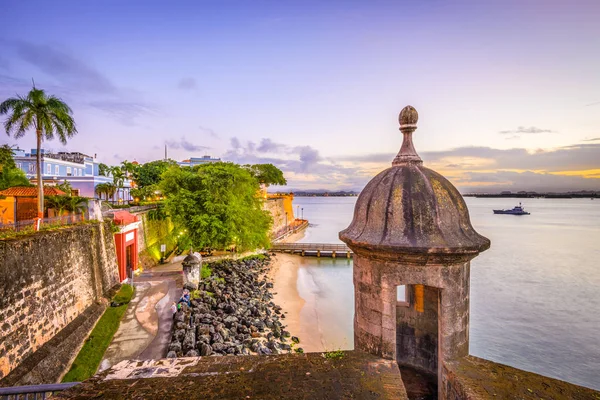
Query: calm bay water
{"x": 535, "y": 294}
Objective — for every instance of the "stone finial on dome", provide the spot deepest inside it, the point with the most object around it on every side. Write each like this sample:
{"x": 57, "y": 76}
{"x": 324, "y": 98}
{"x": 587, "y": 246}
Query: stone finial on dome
{"x": 408, "y": 124}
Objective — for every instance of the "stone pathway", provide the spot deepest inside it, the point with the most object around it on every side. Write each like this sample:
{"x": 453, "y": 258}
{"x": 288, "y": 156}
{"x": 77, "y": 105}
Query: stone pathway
{"x": 145, "y": 330}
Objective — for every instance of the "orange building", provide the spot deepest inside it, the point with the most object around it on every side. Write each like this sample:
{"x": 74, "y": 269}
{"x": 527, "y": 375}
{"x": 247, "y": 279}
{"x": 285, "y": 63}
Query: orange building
{"x": 20, "y": 203}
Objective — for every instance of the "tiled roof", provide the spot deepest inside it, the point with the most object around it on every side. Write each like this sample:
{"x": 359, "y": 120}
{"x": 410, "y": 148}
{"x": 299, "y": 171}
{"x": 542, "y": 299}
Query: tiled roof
{"x": 124, "y": 217}
{"x": 31, "y": 191}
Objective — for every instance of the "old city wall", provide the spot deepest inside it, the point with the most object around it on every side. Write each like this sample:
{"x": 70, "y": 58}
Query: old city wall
{"x": 279, "y": 207}
{"x": 46, "y": 281}
{"x": 154, "y": 231}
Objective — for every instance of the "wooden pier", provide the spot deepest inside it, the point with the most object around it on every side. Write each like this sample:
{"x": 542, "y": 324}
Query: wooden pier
{"x": 314, "y": 249}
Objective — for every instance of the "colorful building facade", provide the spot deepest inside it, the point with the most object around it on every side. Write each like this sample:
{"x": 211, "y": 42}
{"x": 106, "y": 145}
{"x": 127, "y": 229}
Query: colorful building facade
{"x": 80, "y": 170}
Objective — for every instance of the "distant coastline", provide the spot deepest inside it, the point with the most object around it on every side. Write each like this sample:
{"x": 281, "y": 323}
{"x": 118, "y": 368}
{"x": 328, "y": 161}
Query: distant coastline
{"x": 504, "y": 194}
{"x": 532, "y": 195}
{"x": 319, "y": 193}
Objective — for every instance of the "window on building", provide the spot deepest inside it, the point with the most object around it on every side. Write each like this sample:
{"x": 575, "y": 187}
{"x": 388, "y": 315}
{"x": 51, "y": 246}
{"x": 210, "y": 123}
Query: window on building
{"x": 31, "y": 168}
{"x": 56, "y": 170}
{"x": 49, "y": 169}
{"x": 69, "y": 171}
{"x": 401, "y": 295}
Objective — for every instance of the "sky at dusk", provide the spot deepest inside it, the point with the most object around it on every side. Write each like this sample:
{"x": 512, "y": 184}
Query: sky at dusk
{"x": 508, "y": 92}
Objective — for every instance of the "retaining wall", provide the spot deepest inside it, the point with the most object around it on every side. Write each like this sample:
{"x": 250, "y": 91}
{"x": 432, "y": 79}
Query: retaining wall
{"x": 46, "y": 281}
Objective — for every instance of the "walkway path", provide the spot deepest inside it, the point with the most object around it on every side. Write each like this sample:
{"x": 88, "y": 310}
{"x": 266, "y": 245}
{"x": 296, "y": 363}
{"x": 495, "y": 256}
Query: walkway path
{"x": 145, "y": 330}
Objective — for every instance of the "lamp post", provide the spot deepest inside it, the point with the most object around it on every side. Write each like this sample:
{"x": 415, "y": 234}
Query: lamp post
{"x": 302, "y": 214}
{"x": 297, "y": 211}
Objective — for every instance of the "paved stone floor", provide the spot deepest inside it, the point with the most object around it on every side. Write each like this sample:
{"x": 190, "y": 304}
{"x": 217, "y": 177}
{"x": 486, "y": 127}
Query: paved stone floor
{"x": 145, "y": 329}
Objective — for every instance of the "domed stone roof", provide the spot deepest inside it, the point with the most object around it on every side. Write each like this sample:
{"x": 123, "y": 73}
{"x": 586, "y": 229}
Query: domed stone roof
{"x": 409, "y": 208}
{"x": 192, "y": 258}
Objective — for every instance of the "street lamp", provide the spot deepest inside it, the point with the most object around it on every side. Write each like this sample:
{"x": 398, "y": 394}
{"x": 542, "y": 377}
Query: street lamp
{"x": 302, "y": 214}
{"x": 297, "y": 211}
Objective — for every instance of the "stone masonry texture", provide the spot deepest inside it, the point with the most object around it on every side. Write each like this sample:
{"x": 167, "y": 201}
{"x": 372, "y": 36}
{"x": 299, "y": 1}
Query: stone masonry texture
{"x": 351, "y": 375}
{"x": 46, "y": 281}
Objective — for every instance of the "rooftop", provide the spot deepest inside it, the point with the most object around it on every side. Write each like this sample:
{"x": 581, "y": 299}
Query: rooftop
{"x": 31, "y": 191}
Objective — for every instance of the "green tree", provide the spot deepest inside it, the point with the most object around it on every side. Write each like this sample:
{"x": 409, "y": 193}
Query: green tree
{"x": 62, "y": 204}
{"x": 118, "y": 177}
{"x": 128, "y": 168}
{"x": 267, "y": 174}
{"x": 48, "y": 115}
{"x": 150, "y": 173}
{"x": 10, "y": 175}
{"x": 215, "y": 205}
{"x": 108, "y": 189}
{"x": 65, "y": 187}
{"x": 103, "y": 169}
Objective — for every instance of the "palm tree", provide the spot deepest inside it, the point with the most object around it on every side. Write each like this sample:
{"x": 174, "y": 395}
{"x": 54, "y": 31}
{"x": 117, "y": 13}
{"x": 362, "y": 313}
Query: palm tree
{"x": 108, "y": 189}
{"x": 118, "y": 177}
{"x": 48, "y": 115}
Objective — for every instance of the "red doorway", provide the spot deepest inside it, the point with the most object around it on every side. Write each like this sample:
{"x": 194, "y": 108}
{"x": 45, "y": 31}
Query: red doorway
{"x": 126, "y": 243}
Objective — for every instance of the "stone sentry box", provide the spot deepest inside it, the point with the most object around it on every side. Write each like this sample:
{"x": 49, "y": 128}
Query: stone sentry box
{"x": 192, "y": 268}
{"x": 411, "y": 227}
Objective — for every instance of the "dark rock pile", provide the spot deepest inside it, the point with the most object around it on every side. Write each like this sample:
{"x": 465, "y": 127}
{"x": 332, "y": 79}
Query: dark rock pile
{"x": 231, "y": 313}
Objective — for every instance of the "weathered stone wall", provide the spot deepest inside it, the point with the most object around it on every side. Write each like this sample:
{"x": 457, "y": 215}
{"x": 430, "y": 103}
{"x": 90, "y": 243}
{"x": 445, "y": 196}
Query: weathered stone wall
{"x": 46, "y": 281}
{"x": 417, "y": 330}
{"x": 151, "y": 234}
{"x": 472, "y": 378}
{"x": 279, "y": 207}
{"x": 375, "y": 282}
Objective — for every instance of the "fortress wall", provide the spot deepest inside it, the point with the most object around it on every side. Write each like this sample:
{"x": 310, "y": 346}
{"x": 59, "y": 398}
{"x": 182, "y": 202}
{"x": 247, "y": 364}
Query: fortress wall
{"x": 46, "y": 281}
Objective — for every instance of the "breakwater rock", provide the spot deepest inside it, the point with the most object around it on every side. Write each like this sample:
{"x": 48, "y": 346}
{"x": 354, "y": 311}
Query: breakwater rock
{"x": 231, "y": 312}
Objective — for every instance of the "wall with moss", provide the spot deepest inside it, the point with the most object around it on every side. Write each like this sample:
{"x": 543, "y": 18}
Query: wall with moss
{"x": 282, "y": 210}
{"x": 151, "y": 234}
{"x": 46, "y": 281}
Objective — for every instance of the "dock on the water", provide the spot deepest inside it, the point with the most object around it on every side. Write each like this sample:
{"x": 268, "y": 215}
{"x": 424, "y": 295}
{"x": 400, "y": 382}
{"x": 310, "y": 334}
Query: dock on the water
{"x": 314, "y": 249}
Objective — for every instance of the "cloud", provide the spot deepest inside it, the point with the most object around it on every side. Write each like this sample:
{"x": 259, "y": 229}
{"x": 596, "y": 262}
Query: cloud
{"x": 64, "y": 67}
{"x": 123, "y": 110}
{"x": 470, "y": 168}
{"x": 187, "y": 83}
{"x": 72, "y": 79}
{"x": 525, "y": 130}
{"x": 479, "y": 182}
{"x": 184, "y": 144}
{"x": 592, "y": 139}
{"x": 303, "y": 166}
{"x": 209, "y": 131}
{"x": 593, "y": 104}
{"x": 268, "y": 146}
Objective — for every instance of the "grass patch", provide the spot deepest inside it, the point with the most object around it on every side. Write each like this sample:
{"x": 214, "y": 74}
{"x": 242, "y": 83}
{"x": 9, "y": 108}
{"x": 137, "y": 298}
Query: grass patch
{"x": 334, "y": 355}
{"x": 205, "y": 272}
{"x": 87, "y": 361}
{"x": 257, "y": 257}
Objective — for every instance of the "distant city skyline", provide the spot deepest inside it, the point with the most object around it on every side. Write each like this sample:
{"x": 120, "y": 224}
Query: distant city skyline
{"x": 508, "y": 92}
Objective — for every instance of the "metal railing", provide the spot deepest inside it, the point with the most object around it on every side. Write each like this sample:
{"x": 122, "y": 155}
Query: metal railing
{"x": 309, "y": 247}
{"x": 33, "y": 392}
{"x": 132, "y": 209}
{"x": 296, "y": 226}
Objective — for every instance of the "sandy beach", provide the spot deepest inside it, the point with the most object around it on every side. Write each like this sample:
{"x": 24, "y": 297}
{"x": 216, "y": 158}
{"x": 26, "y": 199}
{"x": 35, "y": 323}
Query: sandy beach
{"x": 284, "y": 273}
